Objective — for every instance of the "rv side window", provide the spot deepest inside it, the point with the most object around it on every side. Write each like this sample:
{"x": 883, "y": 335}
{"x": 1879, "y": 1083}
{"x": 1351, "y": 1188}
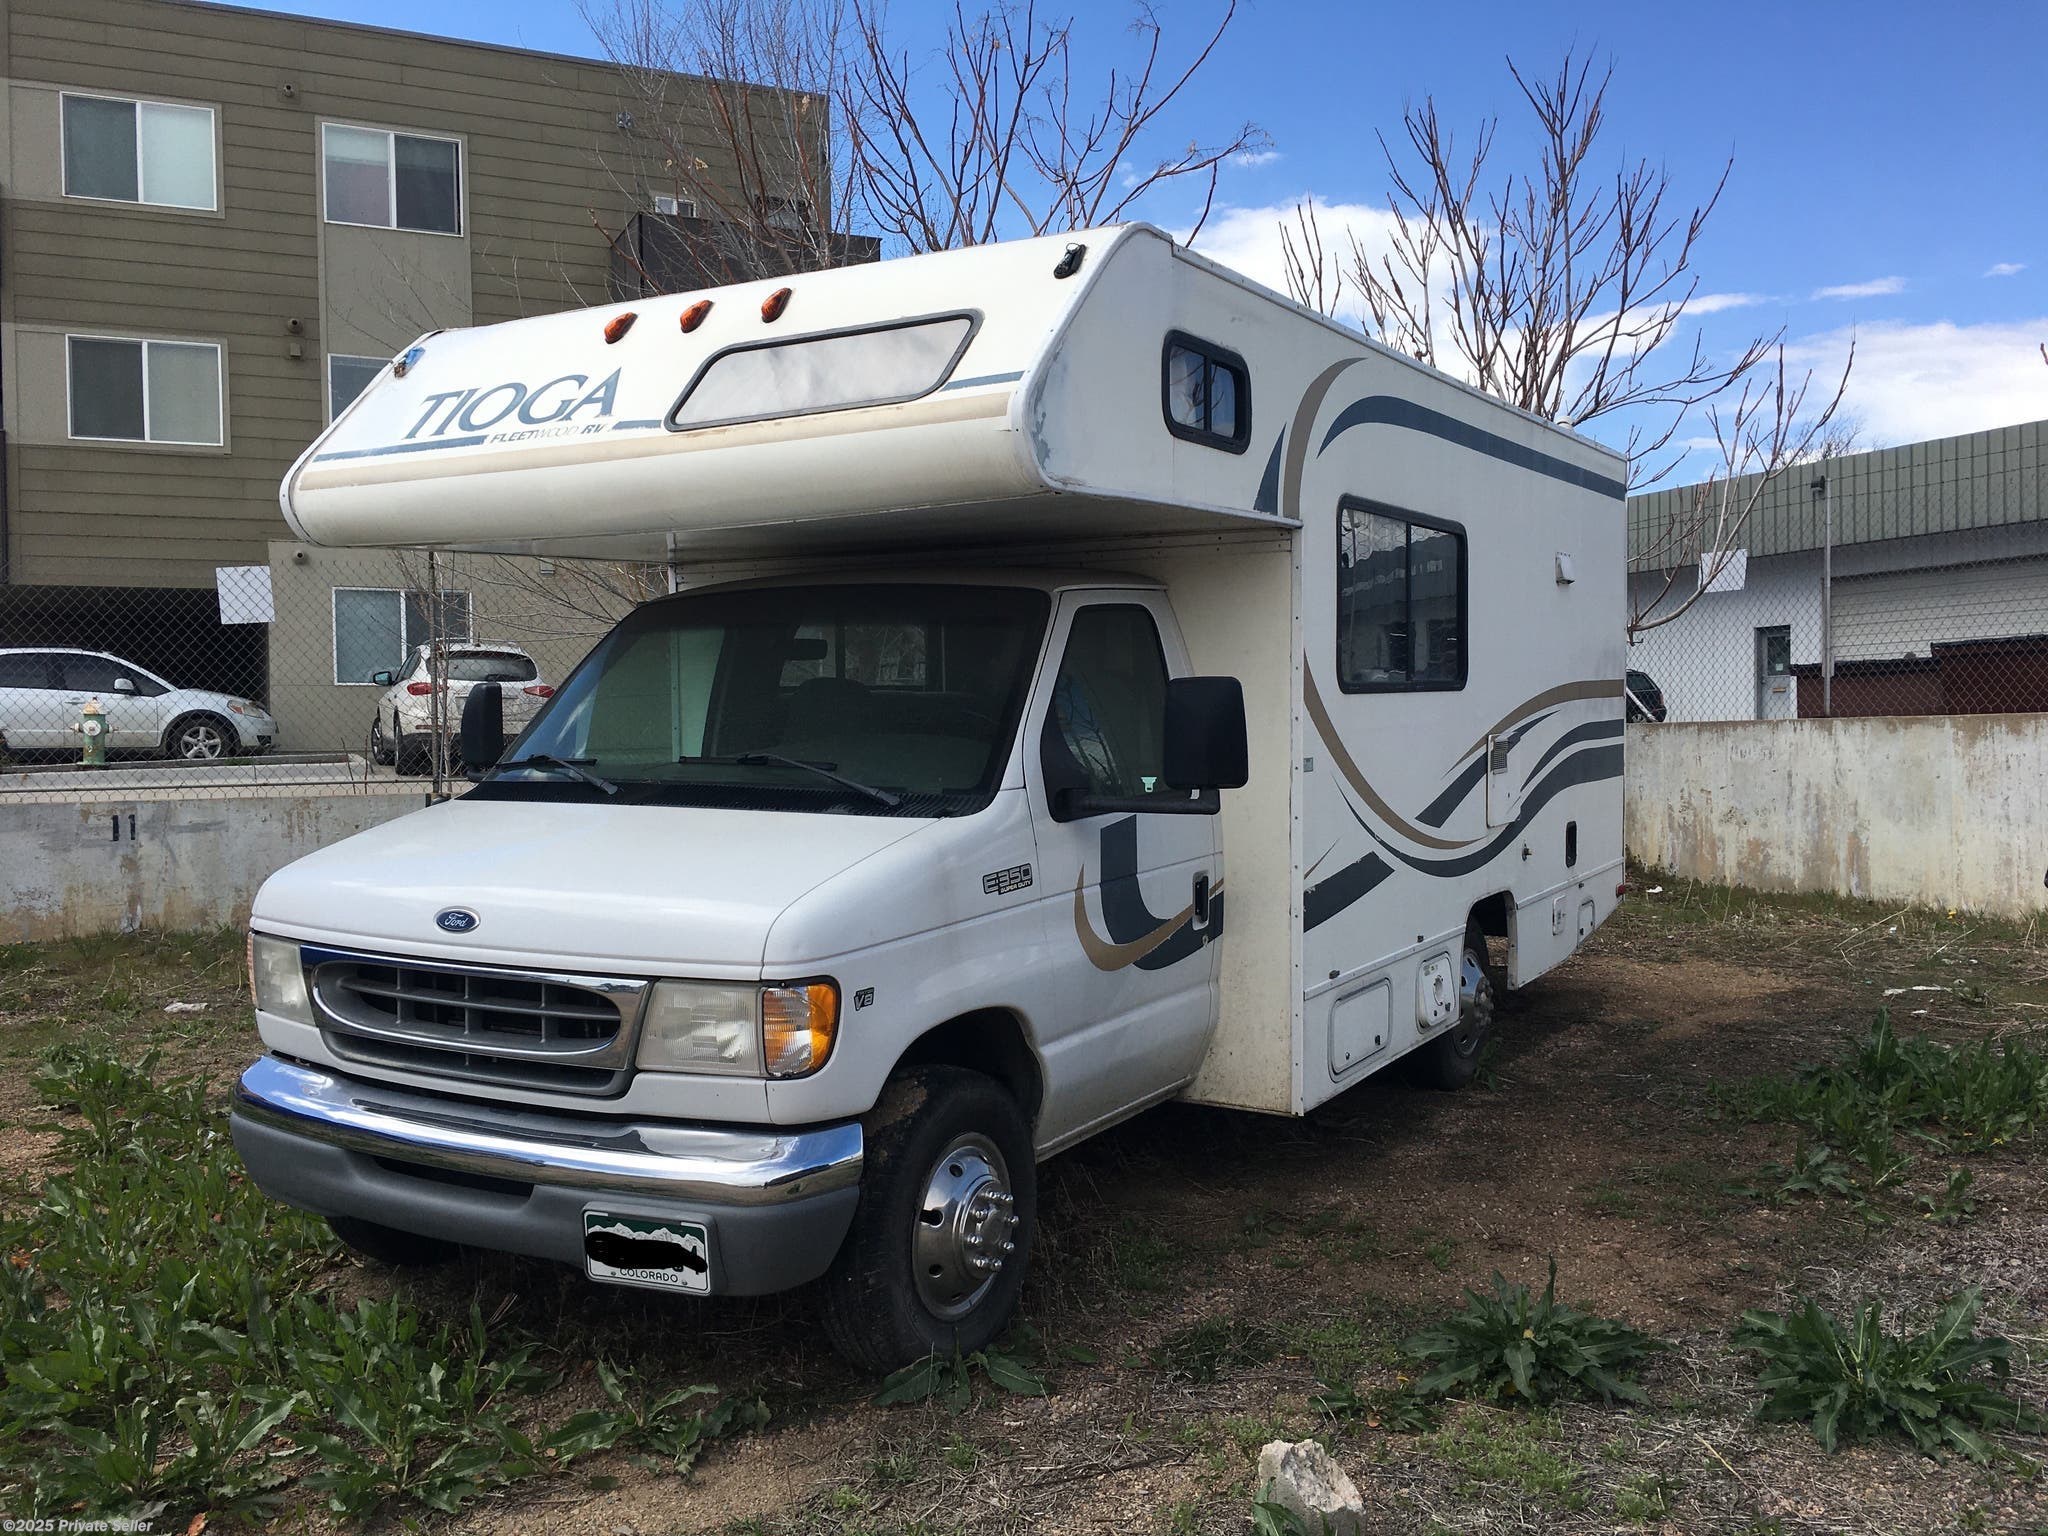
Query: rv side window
{"x": 1400, "y": 601}
{"x": 1207, "y": 394}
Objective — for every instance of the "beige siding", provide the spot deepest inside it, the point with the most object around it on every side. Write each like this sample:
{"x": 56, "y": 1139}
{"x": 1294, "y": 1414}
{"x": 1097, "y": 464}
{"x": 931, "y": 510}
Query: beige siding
{"x": 543, "y": 155}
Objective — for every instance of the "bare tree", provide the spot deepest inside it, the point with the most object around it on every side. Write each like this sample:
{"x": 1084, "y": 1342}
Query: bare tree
{"x": 1566, "y": 290}
{"x": 1011, "y": 143}
{"x": 729, "y": 117}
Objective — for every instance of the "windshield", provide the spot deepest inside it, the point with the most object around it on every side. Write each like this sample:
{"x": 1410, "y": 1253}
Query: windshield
{"x": 795, "y": 698}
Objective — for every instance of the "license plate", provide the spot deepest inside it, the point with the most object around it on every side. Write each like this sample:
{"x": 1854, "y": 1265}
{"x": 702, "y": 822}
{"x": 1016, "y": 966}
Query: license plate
{"x": 637, "y": 1250}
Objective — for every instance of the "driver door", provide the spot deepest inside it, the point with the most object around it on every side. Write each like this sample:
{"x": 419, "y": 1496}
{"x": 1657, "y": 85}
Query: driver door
{"x": 1138, "y": 986}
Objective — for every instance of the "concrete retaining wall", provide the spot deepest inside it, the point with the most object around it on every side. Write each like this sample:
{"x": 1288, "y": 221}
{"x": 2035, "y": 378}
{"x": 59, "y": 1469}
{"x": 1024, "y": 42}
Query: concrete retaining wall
{"x": 70, "y": 870}
{"x": 1939, "y": 810}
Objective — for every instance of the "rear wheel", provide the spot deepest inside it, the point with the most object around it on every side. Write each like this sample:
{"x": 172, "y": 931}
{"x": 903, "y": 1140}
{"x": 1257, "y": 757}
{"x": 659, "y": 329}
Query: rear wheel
{"x": 380, "y": 744}
{"x": 1452, "y": 1059}
{"x": 388, "y": 1245}
{"x": 948, "y": 1205}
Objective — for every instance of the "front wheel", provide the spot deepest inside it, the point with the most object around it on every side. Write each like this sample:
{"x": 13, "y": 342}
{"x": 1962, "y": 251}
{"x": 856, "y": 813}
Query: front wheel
{"x": 200, "y": 739}
{"x": 936, "y": 1257}
{"x": 1452, "y": 1059}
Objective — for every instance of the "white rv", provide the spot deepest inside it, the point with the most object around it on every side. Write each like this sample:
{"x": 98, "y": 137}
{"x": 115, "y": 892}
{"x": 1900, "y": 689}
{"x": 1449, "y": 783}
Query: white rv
{"x": 1096, "y": 681}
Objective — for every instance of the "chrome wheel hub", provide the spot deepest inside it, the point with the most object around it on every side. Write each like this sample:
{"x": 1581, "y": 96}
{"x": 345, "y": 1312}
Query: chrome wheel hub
{"x": 1475, "y": 1004}
{"x": 964, "y": 1226}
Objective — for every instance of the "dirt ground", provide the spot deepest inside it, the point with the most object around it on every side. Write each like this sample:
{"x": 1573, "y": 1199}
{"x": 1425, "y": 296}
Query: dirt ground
{"x": 1203, "y": 1276}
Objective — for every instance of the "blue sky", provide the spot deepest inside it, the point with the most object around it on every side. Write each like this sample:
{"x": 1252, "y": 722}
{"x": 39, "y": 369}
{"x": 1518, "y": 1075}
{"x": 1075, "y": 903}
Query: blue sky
{"x": 1895, "y": 153}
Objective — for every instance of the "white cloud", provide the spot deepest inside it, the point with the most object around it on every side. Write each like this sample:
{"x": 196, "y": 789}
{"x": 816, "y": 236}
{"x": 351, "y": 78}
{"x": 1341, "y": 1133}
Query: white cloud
{"x": 1248, "y": 239}
{"x": 2005, "y": 269}
{"x": 1913, "y": 382}
{"x": 1252, "y": 159}
{"x": 1714, "y": 303}
{"x": 1876, "y": 288}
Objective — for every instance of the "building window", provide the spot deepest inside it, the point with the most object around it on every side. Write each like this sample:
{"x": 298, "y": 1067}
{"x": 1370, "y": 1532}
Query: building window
{"x": 675, "y": 207}
{"x": 138, "y": 152}
{"x": 393, "y": 180}
{"x": 348, "y": 377}
{"x": 1400, "y": 601}
{"x": 1207, "y": 394}
{"x": 144, "y": 391}
{"x": 377, "y": 629}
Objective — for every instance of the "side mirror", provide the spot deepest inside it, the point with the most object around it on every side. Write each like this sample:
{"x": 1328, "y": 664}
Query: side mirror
{"x": 124, "y": 685}
{"x": 1206, "y": 745}
{"x": 383, "y": 679}
{"x": 483, "y": 725}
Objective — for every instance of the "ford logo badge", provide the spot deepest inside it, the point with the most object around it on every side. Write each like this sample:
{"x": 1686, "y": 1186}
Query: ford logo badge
{"x": 456, "y": 920}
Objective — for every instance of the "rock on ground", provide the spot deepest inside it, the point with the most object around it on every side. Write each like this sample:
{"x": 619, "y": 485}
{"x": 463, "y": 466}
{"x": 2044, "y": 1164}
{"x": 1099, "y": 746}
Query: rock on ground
{"x": 1305, "y": 1480}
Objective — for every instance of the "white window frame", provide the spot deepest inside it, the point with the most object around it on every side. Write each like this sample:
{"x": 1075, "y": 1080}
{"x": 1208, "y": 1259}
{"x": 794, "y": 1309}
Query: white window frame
{"x": 391, "y": 136}
{"x": 138, "y": 201}
{"x": 220, "y": 386}
{"x": 408, "y": 647}
{"x": 678, "y": 207}
{"x": 328, "y": 381}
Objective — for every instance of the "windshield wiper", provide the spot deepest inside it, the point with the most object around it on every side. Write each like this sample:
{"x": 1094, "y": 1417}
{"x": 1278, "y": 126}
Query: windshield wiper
{"x": 564, "y": 765}
{"x": 777, "y": 760}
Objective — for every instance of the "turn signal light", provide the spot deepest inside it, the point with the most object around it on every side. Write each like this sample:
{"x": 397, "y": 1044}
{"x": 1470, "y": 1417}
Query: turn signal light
{"x": 773, "y": 306}
{"x": 694, "y": 315}
{"x": 419, "y": 690}
{"x": 798, "y": 1026}
{"x": 618, "y": 325}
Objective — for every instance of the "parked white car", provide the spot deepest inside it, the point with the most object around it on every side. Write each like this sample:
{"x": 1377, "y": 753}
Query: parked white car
{"x": 43, "y": 690}
{"x": 407, "y": 721}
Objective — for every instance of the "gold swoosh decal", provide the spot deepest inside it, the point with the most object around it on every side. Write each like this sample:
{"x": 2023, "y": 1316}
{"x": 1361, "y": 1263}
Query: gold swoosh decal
{"x": 1333, "y": 744}
{"x": 1298, "y": 434}
{"x": 1563, "y": 693}
{"x": 1105, "y": 956}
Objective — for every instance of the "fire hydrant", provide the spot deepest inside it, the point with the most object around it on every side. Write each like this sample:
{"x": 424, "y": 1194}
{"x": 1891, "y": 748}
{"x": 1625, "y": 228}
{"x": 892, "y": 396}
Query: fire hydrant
{"x": 92, "y": 725}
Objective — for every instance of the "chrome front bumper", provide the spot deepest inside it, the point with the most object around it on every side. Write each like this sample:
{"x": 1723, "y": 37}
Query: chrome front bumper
{"x": 695, "y": 1164}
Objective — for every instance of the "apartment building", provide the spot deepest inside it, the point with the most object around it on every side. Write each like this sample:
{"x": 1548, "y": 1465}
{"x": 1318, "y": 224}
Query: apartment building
{"x": 215, "y": 225}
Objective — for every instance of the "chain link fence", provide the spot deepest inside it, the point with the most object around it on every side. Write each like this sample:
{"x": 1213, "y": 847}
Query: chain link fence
{"x": 1909, "y": 581}
{"x": 320, "y": 671}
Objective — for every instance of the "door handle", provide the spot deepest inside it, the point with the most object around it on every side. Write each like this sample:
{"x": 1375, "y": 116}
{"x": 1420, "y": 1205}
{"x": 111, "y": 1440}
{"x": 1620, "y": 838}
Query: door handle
{"x": 1201, "y": 907}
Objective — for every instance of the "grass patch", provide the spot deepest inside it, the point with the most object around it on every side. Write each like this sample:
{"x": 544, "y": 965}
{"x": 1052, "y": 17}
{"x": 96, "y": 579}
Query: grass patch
{"x": 1491, "y": 1450}
{"x": 168, "y": 1349}
{"x": 1203, "y": 1351}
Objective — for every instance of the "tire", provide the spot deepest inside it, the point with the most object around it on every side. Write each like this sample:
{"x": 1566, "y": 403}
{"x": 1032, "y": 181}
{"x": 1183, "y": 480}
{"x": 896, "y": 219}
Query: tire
{"x": 201, "y": 739}
{"x": 941, "y": 1240}
{"x": 1451, "y": 1060}
{"x": 380, "y": 744}
{"x": 387, "y": 1245}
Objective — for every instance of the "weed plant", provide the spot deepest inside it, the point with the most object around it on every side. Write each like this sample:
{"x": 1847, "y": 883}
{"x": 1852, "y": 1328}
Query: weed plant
{"x": 1512, "y": 1346}
{"x": 1940, "y": 1388}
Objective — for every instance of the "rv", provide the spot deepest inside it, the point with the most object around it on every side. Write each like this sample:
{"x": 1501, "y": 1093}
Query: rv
{"x": 1093, "y": 681}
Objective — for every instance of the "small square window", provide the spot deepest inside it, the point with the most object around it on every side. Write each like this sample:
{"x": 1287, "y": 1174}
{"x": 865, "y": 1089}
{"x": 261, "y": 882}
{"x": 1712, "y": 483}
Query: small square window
{"x": 1207, "y": 392}
{"x": 137, "y": 391}
{"x": 348, "y": 377}
{"x": 117, "y": 150}
{"x": 392, "y": 180}
{"x": 1400, "y": 602}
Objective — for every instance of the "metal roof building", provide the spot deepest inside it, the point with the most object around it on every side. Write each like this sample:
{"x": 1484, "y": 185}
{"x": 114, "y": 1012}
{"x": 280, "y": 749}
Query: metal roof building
{"x": 1917, "y": 585}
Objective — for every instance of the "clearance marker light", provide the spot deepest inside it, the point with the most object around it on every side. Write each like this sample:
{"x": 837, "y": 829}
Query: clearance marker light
{"x": 694, "y": 315}
{"x": 773, "y": 306}
{"x": 618, "y": 325}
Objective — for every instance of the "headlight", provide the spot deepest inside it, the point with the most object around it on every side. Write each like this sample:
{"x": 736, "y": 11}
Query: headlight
{"x": 702, "y": 1026}
{"x": 277, "y": 980}
{"x": 739, "y": 1030}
